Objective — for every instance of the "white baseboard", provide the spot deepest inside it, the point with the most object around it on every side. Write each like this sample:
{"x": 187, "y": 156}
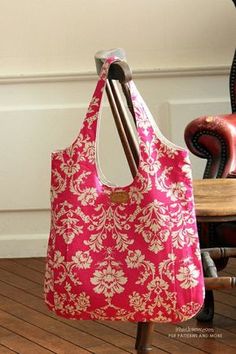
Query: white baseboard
{"x": 19, "y": 246}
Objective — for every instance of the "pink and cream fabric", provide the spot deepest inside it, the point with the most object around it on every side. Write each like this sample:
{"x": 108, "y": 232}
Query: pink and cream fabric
{"x": 123, "y": 253}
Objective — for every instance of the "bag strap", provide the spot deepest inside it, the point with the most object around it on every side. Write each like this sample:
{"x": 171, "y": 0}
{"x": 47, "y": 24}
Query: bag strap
{"x": 91, "y": 118}
{"x": 147, "y": 129}
{"x": 89, "y": 127}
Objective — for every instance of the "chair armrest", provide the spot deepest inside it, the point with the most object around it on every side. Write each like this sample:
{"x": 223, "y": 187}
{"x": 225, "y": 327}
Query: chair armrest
{"x": 214, "y": 139}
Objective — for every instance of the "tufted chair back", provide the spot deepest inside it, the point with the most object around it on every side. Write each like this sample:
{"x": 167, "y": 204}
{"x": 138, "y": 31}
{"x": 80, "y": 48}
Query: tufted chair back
{"x": 214, "y": 138}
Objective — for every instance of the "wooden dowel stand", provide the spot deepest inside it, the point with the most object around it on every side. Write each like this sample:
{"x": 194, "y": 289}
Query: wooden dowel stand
{"x": 212, "y": 281}
{"x": 209, "y": 265}
{"x": 145, "y": 330}
{"x": 125, "y": 120}
{"x": 121, "y": 131}
{"x": 220, "y": 283}
{"x": 220, "y": 252}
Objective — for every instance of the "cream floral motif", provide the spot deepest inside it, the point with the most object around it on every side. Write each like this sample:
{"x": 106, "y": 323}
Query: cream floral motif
{"x": 71, "y": 159}
{"x": 158, "y": 293}
{"x": 176, "y": 191}
{"x": 70, "y": 163}
{"x": 134, "y": 259}
{"x": 109, "y": 277}
{"x": 108, "y": 281}
{"x": 137, "y": 260}
{"x": 91, "y": 120}
{"x": 82, "y": 259}
{"x": 158, "y": 285}
{"x": 69, "y": 270}
{"x": 151, "y": 164}
{"x": 103, "y": 74}
{"x": 110, "y": 221}
{"x": 186, "y": 311}
{"x": 160, "y": 318}
{"x": 93, "y": 104}
{"x": 137, "y": 302}
{"x": 184, "y": 234}
{"x": 136, "y": 194}
{"x": 86, "y": 195}
{"x": 187, "y": 170}
{"x": 170, "y": 152}
{"x": 48, "y": 282}
{"x": 184, "y": 237}
{"x": 198, "y": 253}
{"x": 156, "y": 239}
{"x": 153, "y": 225}
{"x": 161, "y": 181}
{"x": 83, "y": 302}
{"x": 84, "y": 143}
{"x": 65, "y": 220}
{"x": 142, "y": 120}
{"x": 188, "y": 276}
{"x": 76, "y": 305}
{"x": 58, "y": 186}
{"x": 58, "y": 259}
{"x": 89, "y": 151}
{"x": 167, "y": 267}
{"x": 70, "y": 167}
{"x": 145, "y": 125}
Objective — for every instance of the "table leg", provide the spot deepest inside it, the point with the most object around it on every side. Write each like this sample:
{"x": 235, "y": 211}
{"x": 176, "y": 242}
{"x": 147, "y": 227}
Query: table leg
{"x": 207, "y": 312}
{"x": 143, "y": 343}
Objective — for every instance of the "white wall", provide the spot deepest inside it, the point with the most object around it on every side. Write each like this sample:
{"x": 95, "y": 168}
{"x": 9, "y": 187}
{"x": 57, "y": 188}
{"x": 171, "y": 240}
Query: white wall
{"x": 63, "y": 35}
{"x": 46, "y": 60}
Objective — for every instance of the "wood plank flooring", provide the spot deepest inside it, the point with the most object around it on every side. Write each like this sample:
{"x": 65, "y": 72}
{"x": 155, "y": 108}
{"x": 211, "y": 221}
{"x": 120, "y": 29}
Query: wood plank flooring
{"x": 28, "y": 327}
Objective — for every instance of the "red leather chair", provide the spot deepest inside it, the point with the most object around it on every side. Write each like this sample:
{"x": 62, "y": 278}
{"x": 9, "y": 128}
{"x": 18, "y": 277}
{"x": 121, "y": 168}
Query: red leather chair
{"x": 214, "y": 138}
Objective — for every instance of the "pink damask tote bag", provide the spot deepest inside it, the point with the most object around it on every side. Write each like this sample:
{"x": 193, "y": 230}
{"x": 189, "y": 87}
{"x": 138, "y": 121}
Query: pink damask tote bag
{"x": 123, "y": 253}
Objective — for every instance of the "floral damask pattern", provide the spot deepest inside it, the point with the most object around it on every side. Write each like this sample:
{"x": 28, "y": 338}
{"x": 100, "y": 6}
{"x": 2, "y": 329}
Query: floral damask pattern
{"x": 112, "y": 222}
{"x": 82, "y": 259}
{"x": 131, "y": 259}
{"x": 65, "y": 221}
{"x": 108, "y": 281}
{"x": 154, "y": 224}
{"x": 134, "y": 259}
{"x": 188, "y": 276}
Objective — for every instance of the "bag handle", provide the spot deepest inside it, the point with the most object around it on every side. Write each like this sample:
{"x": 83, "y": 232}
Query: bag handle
{"x": 147, "y": 129}
{"x": 90, "y": 122}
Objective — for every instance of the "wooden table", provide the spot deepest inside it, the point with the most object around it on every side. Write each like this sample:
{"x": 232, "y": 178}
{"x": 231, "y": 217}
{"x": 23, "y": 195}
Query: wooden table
{"x": 215, "y": 201}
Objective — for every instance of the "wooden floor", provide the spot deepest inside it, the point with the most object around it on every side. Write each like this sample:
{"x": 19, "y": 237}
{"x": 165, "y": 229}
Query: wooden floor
{"x": 26, "y": 326}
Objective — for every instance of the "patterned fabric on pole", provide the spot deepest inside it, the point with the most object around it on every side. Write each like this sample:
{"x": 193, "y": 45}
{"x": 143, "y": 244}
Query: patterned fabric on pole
{"x": 123, "y": 253}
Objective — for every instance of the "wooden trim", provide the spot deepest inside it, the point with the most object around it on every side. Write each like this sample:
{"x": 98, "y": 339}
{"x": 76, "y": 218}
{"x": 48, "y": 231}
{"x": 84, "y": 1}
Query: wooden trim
{"x": 138, "y": 73}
